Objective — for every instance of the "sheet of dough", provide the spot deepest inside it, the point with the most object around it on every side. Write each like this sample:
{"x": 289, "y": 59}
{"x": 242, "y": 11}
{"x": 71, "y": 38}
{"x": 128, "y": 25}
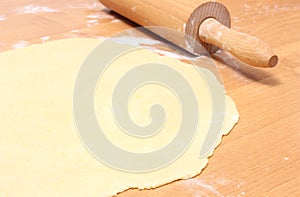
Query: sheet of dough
{"x": 40, "y": 151}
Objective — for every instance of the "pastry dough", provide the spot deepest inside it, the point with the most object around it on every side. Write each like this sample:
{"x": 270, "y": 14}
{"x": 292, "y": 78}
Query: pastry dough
{"x": 41, "y": 153}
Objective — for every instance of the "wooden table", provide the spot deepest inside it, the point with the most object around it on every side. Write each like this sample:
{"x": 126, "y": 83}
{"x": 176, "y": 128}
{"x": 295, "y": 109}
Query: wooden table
{"x": 261, "y": 156}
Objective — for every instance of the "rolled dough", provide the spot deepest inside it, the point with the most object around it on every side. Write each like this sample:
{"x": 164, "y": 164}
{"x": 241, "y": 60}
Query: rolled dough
{"x": 40, "y": 151}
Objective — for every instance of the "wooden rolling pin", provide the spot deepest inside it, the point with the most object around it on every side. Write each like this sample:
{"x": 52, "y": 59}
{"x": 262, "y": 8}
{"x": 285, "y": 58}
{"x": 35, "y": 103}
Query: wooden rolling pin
{"x": 206, "y": 22}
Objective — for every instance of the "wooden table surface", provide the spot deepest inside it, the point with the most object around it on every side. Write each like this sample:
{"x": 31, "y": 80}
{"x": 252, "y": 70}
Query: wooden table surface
{"x": 261, "y": 156}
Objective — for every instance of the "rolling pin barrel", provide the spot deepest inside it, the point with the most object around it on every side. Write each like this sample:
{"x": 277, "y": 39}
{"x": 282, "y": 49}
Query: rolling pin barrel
{"x": 206, "y": 22}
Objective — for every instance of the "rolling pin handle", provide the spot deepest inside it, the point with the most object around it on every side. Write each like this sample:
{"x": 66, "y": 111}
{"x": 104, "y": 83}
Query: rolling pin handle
{"x": 248, "y": 49}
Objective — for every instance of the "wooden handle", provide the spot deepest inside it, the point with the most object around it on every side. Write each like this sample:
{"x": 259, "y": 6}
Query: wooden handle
{"x": 248, "y": 49}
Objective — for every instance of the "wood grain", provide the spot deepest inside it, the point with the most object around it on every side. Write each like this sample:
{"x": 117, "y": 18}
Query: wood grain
{"x": 261, "y": 156}
{"x": 249, "y": 49}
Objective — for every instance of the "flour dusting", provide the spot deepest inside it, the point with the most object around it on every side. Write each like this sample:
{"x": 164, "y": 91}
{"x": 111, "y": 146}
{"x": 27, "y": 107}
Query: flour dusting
{"x": 33, "y": 9}
{"x": 44, "y": 38}
{"x": 92, "y": 21}
{"x": 20, "y": 44}
{"x": 269, "y": 9}
{"x": 96, "y": 5}
{"x": 134, "y": 8}
{"x": 116, "y": 21}
{"x": 2, "y": 18}
{"x": 99, "y": 16}
{"x": 205, "y": 187}
{"x": 74, "y": 30}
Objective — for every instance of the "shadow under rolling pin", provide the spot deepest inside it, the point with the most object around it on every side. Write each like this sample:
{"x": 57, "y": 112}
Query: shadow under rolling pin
{"x": 207, "y": 23}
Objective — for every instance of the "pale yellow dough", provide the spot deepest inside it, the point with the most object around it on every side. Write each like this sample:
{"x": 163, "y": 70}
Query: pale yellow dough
{"x": 41, "y": 153}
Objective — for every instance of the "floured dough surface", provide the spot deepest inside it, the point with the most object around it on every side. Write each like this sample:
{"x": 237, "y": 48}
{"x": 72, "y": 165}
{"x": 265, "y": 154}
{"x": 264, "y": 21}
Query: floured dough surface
{"x": 41, "y": 153}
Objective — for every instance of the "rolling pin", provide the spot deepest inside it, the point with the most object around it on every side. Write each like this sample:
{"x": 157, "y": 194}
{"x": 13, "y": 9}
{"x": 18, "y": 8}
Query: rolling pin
{"x": 206, "y": 22}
